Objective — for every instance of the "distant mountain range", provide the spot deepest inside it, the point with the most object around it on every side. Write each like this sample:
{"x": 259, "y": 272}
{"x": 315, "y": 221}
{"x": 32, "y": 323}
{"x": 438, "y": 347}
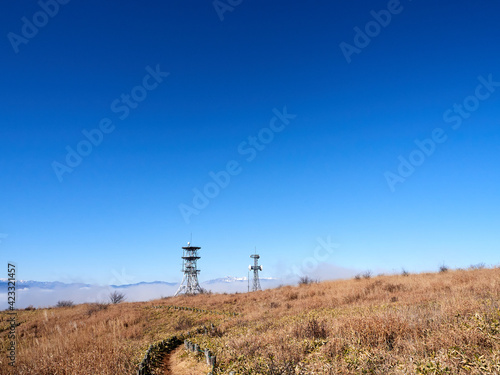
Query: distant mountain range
{"x": 144, "y": 283}
{"x": 49, "y": 285}
{"x": 23, "y": 284}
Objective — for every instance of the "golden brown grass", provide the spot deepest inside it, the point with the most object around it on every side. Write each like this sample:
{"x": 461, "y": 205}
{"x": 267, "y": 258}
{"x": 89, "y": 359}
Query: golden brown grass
{"x": 443, "y": 323}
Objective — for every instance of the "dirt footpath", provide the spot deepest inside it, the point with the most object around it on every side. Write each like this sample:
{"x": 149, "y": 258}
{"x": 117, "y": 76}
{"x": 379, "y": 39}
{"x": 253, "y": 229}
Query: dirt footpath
{"x": 178, "y": 363}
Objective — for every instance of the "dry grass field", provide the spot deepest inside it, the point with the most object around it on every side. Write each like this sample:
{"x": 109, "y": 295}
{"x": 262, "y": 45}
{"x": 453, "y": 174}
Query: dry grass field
{"x": 435, "y": 323}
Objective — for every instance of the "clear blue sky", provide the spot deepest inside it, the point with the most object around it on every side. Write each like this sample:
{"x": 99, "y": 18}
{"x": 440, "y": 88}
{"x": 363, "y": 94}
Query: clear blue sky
{"x": 325, "y": 173}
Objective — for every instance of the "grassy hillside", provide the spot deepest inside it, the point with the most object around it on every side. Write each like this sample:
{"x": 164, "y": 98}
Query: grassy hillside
{"x": 443, "y": 323}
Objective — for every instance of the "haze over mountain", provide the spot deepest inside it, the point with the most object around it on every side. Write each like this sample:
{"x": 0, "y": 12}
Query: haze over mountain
{"x": 45, "y": 294}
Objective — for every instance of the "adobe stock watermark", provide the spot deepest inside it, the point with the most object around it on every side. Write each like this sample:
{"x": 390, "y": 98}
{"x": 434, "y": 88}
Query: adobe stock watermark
{"x": 372, "y": 29}
{"x": 121, "y": 107}
{"x": 221, "y": 179}
{"x": 30, "y": 27}
{"x": 322, "y": 252}
{"x": 454, "y": 116}
{"x": 223, "y": 6}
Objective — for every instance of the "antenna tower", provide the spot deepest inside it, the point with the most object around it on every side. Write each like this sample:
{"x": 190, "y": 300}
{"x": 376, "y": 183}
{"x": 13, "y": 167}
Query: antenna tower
{"x": 255, "y": 268}
{"x": 189, "y": 284}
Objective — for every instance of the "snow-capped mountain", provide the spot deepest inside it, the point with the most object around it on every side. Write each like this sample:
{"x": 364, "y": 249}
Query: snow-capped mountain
{"x": 232, "y": 279}
{"x": 227, "y": 279}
